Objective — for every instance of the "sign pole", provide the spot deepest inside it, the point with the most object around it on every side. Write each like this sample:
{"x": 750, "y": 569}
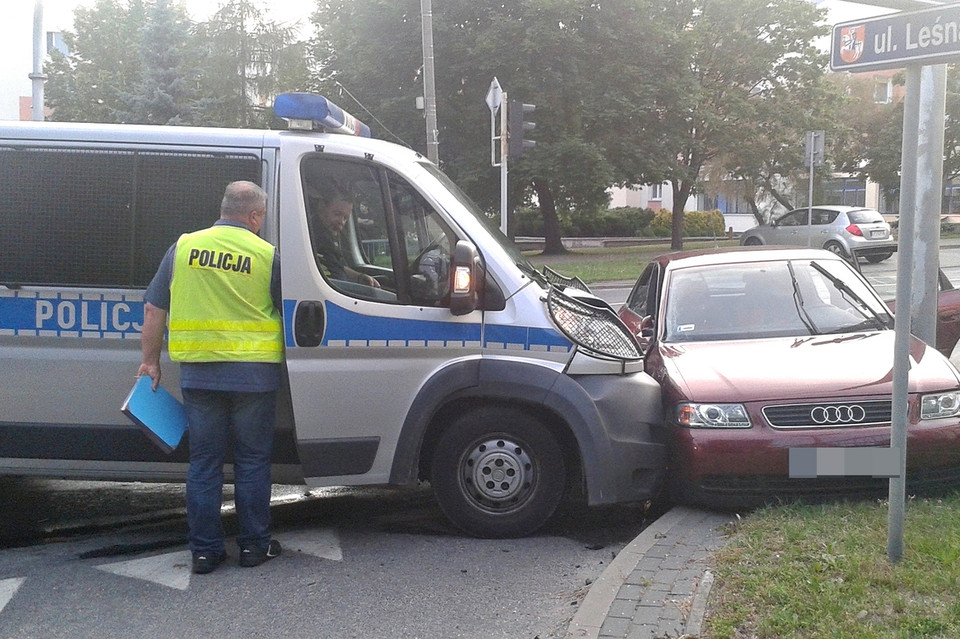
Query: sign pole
{"x": 901, "y": 349}
{"x": 503, "y": 166}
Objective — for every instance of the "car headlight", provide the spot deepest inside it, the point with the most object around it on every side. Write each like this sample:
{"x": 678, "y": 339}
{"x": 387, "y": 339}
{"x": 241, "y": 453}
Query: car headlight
{"x": 713, "y": 416}
{"x": 940, "y": 405}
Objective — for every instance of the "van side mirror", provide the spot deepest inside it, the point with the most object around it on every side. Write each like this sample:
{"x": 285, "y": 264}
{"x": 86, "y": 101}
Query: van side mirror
{"x": 467, "y": 277}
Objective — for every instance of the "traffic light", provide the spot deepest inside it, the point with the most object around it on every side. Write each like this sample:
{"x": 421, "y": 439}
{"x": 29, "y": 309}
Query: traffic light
{"x": 517, "y": 127}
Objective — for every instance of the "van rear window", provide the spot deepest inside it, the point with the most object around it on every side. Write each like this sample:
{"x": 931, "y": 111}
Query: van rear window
{"x": 103, "y": 218}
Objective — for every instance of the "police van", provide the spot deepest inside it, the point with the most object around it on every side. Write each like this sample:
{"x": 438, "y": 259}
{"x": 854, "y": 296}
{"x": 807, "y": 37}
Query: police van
{"x": 432, "y": 352}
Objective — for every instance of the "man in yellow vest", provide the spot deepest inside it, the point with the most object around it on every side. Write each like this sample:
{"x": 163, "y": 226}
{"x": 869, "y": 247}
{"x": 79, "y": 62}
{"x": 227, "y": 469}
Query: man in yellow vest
{"x": 221, "y": 289}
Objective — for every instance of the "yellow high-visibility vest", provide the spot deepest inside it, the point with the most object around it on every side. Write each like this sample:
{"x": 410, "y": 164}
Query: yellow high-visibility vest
{"x": 220, "y": 304}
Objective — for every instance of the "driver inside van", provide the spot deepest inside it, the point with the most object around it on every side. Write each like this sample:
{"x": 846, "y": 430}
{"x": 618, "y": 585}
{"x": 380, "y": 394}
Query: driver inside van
{"x": 332, "y": 208}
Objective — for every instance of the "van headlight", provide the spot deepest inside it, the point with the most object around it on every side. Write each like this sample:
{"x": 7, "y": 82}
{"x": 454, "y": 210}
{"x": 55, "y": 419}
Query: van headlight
{"x": 595, "y": 328}
{"x": 696, "y": 415}
{"x": 937, "y": 405}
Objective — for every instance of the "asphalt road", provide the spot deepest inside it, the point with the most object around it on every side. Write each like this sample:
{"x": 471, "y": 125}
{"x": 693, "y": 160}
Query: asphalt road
{"x": 357, "y": 563}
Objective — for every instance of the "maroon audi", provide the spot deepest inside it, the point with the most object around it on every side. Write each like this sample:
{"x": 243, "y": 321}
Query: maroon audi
{"x": 762, "y": 350}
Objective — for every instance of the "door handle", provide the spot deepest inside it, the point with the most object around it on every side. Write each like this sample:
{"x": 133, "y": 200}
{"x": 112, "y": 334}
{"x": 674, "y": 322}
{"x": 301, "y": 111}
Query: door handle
{"x": 308, "y": 323}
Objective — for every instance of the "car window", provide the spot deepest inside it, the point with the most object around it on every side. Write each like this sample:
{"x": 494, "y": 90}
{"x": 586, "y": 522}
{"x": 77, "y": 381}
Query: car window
{"x": 865, "y": 216}
{"x": 793, "y": 218}
{"x": 641, "y": 299}
{"x": 822, "y": 217}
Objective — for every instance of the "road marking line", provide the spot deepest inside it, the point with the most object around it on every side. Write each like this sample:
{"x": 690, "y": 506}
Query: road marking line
{"x": 323, "y": 543}
{"x": 173, "y": 569}
{"x": 8, "y": 588}
{"x": 170, "y": 569}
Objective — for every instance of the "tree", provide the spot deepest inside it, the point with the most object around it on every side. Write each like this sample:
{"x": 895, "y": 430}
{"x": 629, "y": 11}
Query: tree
{"x": 874, "y": 140}
{"x": 247, "y": 59}
{"x": 103, "y": 62}
{"x": 163, "y": 93}
{"x": 745, "y": 63}
{"x": 145, "y": 61}
{"x": 553, "y": 54}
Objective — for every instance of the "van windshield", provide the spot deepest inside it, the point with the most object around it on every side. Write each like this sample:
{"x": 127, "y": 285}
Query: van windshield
{"x": 474, "y": 210}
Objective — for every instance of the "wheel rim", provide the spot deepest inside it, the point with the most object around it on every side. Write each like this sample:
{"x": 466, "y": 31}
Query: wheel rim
{"x": 835, "y": 249}
{"x": 497, "y": 474}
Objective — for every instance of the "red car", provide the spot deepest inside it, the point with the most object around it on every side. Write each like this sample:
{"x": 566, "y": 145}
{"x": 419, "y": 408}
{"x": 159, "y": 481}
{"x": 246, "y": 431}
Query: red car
{"x": 948, "y": 315}
{"x": 762, "y": 350}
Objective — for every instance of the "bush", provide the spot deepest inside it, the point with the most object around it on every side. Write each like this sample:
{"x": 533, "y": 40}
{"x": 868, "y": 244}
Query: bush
{"x": 695, "y": 223}
{"x": 624, "y": 221}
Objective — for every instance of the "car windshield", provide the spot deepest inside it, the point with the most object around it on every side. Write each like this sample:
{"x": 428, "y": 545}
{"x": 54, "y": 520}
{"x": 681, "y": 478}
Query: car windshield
{"x": 786, "y": 298}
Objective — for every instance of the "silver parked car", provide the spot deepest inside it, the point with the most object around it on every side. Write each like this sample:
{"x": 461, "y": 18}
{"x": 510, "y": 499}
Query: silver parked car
{"x": 839, "y": 229}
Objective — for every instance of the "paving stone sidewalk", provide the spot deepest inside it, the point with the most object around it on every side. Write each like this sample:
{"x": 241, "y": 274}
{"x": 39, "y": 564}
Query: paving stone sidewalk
{"x": 657, "y": 586}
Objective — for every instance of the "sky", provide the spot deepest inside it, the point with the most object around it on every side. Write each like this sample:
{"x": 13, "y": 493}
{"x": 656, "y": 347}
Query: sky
{"x": 16, "y": 37}
{"x": 16, "y": 34}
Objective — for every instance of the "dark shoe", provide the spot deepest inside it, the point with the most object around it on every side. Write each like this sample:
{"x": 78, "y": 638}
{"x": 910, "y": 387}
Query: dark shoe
{"x": 250, "y": 557}
{"x": 204, "y": 562}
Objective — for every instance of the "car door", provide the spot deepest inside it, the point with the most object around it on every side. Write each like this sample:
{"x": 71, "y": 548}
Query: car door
{"x": 357, "y": 354}
{"x": 791, "y": 229}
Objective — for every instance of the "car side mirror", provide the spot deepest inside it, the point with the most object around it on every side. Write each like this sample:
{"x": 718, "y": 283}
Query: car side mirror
{"x": 467, "y": 277}
{"x": 645, "y": 334}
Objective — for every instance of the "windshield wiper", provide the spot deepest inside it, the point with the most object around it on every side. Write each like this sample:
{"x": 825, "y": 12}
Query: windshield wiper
{"x": 798, "y": 302}
{"x": 870, "y": 315}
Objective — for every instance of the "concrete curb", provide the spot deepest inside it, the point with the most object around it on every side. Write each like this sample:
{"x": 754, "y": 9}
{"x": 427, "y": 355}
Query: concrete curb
{"x": 618, "y": 600}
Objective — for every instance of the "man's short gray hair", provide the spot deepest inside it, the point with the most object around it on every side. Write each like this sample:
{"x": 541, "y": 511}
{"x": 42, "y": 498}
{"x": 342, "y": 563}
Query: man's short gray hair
{"x": 242, "y": 198}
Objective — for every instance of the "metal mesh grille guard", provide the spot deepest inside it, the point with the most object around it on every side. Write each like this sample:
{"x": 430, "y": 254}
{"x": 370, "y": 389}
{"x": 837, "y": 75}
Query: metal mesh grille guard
{"x": 572, "y": 282}
{"x": 595, "y": 328}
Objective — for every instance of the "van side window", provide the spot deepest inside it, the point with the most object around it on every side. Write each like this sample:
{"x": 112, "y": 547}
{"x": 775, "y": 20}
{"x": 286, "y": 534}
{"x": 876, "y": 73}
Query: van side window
{"x": 373, "y": 235}
{"x": 104, "y": 218}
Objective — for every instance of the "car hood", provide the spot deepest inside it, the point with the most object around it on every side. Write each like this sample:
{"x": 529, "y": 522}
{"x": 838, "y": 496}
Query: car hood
{"x": 853, "y": 364}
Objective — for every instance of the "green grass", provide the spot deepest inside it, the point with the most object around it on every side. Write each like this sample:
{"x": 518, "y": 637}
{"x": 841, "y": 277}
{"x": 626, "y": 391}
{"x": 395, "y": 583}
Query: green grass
{"x": 611, "y": 264}
{"x": 822, "y": 571}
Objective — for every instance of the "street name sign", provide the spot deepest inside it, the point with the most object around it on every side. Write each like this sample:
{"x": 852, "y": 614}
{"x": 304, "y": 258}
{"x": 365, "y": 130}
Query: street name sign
{"x": 929, "y": 36}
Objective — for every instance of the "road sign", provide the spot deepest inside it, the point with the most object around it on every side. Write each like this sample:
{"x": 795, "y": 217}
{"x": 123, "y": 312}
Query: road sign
{"x": 929, "y": 36}
{"x": 814, "y": 149}
{"x": 494, "y": 96}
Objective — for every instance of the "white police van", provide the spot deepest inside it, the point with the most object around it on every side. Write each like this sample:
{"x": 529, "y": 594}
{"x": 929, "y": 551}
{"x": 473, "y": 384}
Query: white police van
{"x": 464, "y": 367}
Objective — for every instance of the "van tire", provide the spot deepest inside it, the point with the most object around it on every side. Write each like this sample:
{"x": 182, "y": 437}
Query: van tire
{"x": 520, "y": 451}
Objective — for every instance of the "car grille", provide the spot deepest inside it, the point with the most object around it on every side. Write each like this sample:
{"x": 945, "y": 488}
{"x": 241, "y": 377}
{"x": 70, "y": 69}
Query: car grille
{"x": 828, "y": 414}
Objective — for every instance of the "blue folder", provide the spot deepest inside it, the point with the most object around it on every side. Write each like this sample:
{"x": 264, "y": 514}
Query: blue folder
{"x": 158, "y": 413}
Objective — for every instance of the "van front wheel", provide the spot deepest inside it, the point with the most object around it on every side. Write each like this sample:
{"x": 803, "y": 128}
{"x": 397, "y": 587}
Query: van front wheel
{"x": 497, "y": 473}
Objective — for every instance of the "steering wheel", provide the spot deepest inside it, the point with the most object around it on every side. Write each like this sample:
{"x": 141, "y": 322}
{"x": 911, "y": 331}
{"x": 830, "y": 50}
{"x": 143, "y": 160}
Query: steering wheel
{"x": 432, "y": 246}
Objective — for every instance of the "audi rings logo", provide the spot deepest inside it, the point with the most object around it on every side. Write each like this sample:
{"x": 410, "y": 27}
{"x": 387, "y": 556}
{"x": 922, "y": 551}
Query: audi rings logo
{"x": 838, "y": 414}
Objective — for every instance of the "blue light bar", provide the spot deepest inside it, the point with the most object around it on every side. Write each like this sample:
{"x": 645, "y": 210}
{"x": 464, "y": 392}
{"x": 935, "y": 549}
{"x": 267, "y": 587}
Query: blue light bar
{"x": 300, "y": 107}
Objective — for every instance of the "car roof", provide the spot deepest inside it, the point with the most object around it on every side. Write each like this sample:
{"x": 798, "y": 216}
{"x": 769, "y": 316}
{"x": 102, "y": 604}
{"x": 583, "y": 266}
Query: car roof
{"x": 740, "y": 254}
{"x": 842, "y": 208}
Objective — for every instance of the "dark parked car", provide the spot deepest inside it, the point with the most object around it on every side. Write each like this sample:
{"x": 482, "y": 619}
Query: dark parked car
{"x": 948, "y": 315}
{"x": 761, "y": 350}
{"x": 838, "y": 229}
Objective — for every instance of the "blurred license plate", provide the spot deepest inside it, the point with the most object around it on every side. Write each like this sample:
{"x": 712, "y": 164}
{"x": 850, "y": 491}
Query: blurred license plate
{"x": 878, "y": 233}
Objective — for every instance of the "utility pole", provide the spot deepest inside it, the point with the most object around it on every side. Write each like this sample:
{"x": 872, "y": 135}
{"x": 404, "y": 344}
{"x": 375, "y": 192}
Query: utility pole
{"x": 429, "y": 89}
{"x": 37, "y": 76}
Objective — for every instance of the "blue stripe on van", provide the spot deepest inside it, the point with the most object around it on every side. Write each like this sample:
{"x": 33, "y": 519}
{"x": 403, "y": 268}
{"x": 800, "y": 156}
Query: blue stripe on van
{"x": 528, "y": 336}
{"x": 347, "y": 328}
{"x": 84, "y": 315}
{"x": 350, "y": 329}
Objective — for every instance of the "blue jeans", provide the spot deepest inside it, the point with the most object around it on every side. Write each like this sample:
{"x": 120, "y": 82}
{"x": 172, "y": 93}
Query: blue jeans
{"x": 215, "y": 420}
